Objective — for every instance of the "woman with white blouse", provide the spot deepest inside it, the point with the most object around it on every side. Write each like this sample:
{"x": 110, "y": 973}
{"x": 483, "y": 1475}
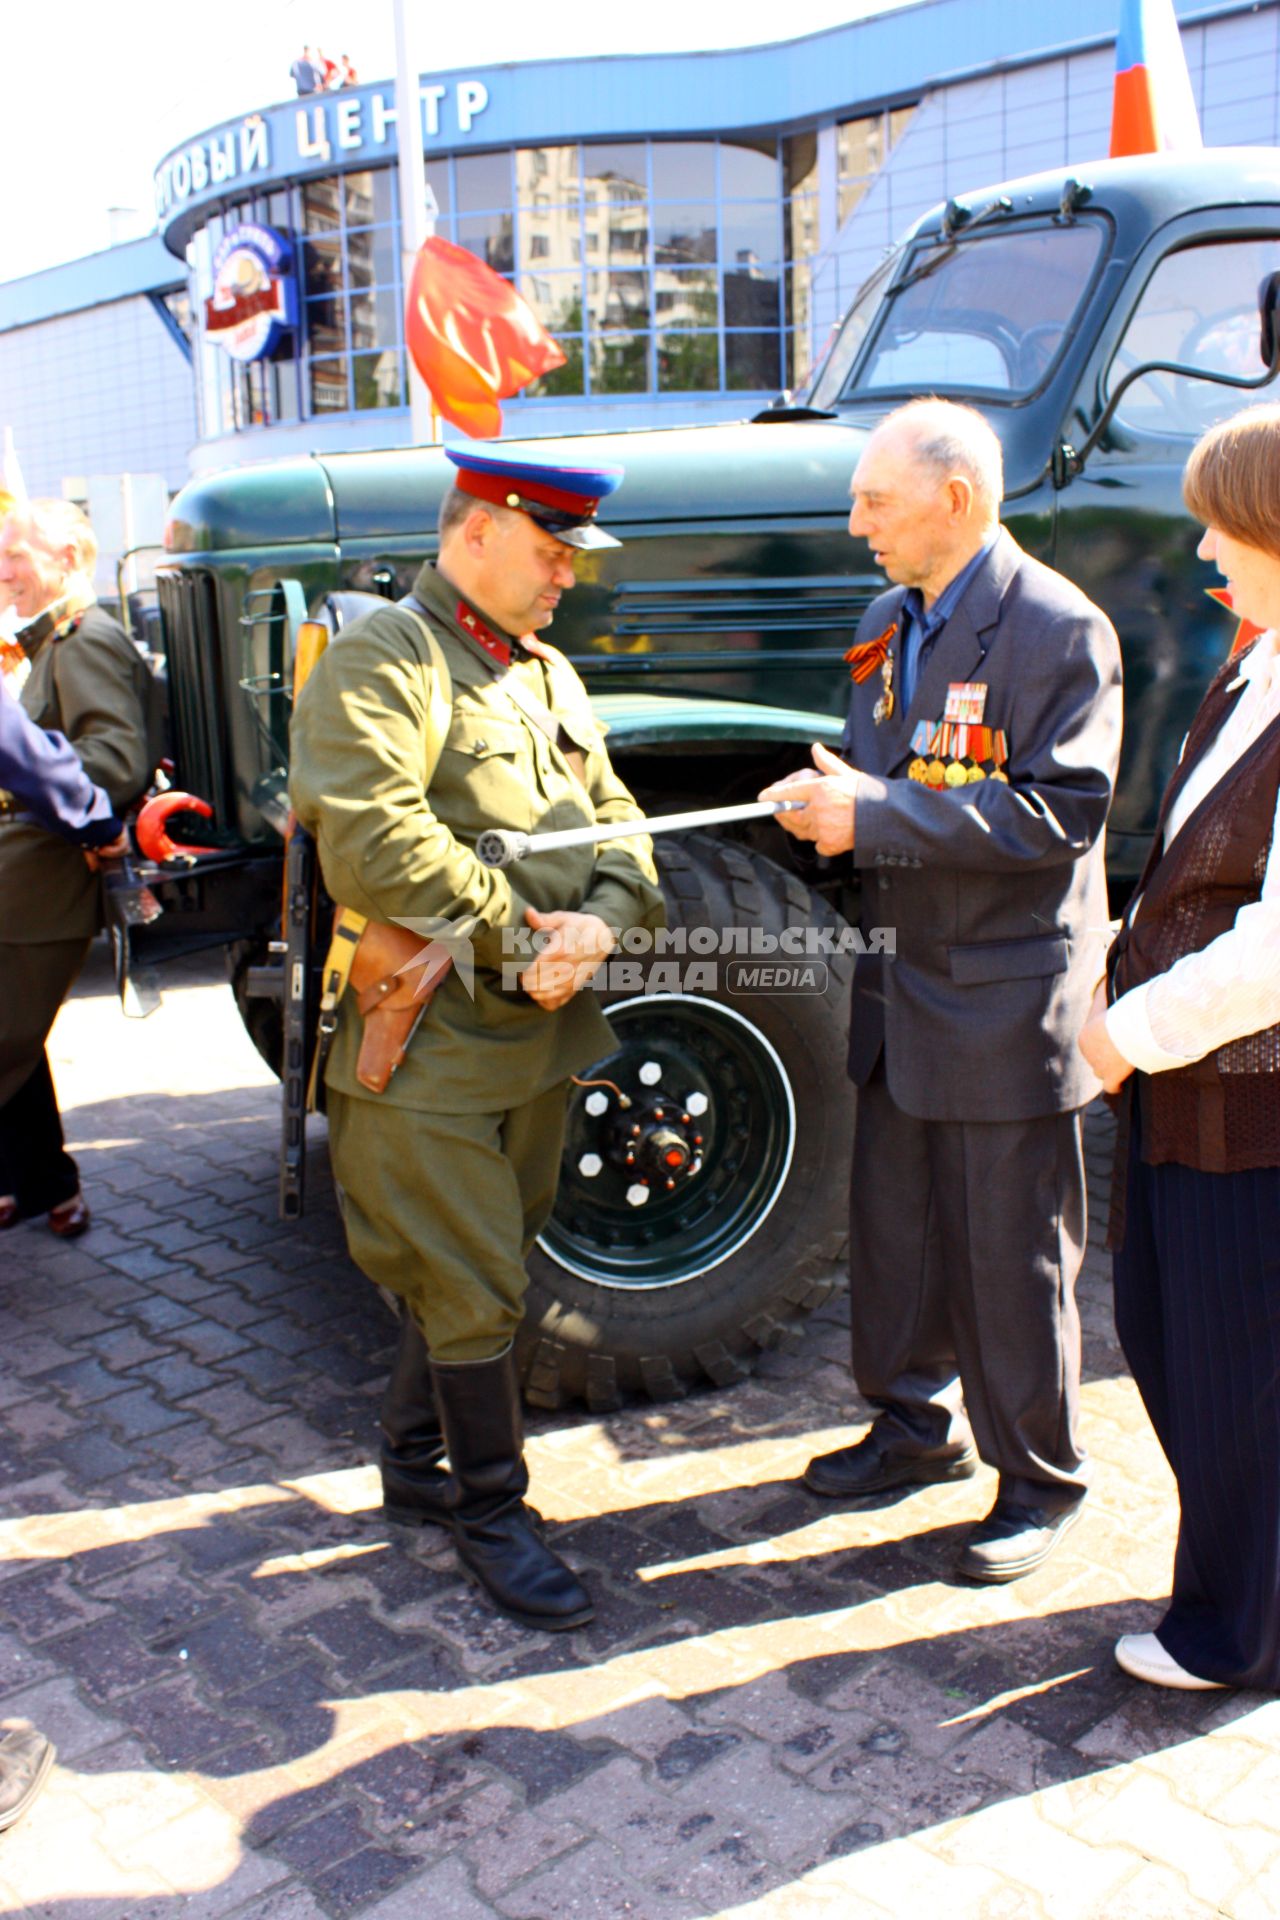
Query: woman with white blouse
{"x": 1186, "y": 1029}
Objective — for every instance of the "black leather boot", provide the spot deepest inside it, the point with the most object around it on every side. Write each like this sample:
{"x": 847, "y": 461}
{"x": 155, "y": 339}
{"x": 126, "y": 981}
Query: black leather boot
{"x": 496, "y": 1534}
{"x": 415, "y": 1487}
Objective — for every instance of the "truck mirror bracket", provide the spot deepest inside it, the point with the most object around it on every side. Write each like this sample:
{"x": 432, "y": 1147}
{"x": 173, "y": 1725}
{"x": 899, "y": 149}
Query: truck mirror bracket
{"x": 1067, "y": 461}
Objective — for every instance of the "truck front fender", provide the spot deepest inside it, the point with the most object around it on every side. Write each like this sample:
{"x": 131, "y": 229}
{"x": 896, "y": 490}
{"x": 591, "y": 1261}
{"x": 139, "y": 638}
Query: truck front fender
{"x": 661, "y": 719}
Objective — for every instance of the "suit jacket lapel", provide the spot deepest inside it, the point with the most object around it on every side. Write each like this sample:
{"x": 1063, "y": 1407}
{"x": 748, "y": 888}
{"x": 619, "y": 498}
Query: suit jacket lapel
{"x": 957, "y": 654}
{"x": 889, "y": 737}
{"x": 961, "y": 648}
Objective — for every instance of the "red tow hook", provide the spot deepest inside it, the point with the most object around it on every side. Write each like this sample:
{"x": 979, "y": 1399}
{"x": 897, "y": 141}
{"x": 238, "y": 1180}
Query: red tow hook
{"x": 151, "y": 835}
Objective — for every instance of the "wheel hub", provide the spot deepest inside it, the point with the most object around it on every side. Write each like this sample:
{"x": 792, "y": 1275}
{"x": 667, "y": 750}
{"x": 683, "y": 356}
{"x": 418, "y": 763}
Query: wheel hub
{"x": 676, "y": 1147}
{"x": 652, "y": 1141}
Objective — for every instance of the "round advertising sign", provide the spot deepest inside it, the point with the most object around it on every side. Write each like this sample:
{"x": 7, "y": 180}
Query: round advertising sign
{"x": 254, "y": 299}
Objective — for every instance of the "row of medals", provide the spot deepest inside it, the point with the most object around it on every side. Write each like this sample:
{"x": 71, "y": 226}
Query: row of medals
{"x": 960, "y": 770}
{"x": 952, "y": 773}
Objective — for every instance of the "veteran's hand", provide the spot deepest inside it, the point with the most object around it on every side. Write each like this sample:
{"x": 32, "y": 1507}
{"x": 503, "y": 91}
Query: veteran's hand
{"x": 1098, "y": 1047}
{"x": 830, "y": 795}
{"x": 580, "y": 943}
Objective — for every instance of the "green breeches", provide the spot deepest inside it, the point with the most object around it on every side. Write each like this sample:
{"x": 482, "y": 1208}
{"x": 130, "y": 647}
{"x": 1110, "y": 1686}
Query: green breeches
{"x": 442, "y": 1209}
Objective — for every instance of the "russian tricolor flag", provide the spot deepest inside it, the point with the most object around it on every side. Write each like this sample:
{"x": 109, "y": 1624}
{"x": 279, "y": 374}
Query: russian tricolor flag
{"x": 1154, "y": 109}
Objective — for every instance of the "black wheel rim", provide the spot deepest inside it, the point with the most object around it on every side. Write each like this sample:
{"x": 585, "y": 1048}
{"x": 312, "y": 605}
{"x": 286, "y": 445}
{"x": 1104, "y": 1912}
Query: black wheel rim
{"x": 711, "y": 1131}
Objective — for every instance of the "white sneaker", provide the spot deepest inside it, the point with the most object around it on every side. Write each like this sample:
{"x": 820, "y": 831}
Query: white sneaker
{"x": 1142, "y": 1655}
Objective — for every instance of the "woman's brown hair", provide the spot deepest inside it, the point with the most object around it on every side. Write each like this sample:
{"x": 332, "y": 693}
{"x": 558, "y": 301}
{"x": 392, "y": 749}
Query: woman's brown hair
{"x": 1232, "y": 480}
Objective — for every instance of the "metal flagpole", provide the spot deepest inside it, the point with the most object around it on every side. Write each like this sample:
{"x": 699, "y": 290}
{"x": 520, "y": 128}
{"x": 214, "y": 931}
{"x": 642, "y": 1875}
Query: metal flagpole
{"x": 416, "y": 221}
{"x": 500, "y": 847}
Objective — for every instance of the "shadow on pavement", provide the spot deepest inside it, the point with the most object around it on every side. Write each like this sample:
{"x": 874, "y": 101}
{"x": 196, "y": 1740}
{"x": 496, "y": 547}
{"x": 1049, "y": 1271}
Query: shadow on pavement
{"x": 770, "y": 1682}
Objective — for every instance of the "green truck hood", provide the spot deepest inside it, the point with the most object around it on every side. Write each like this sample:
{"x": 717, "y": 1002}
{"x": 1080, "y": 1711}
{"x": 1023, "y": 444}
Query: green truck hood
{"x": 674, "y": 474}
{"x": 275, "y": 504}
{"x": 748, "y": 470}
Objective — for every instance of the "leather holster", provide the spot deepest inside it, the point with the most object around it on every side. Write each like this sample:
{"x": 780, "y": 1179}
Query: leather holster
{"x": 392, "y": 994}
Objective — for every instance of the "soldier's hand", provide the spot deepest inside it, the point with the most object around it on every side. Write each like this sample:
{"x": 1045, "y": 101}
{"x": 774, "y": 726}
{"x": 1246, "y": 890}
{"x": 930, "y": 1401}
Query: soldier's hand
{"x": 579, "y": 944}
{"x": 830, "y": 793}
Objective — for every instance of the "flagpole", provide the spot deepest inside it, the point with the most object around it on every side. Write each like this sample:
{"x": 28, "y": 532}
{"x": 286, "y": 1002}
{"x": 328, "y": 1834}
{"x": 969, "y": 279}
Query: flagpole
{"x": 415, "y": 220}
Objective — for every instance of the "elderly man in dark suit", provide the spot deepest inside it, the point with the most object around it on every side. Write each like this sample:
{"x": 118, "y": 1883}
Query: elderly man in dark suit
{"x": 972, "y": 789}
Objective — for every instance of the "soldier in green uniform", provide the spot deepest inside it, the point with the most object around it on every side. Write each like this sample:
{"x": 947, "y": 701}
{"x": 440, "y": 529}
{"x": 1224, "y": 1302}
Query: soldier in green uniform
{"x": 88, "y": 683}
{"x": 448, "y": 1175}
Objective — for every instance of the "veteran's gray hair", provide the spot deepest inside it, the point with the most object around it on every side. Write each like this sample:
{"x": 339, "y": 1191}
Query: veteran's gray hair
{"x": 952, "y": 439}
{"x": 58, "y": 525}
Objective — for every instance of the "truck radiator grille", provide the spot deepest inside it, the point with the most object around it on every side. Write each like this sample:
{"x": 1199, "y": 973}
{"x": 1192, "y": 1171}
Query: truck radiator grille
{"x": 197, "y": 709}
{"x": 787, "y": 619}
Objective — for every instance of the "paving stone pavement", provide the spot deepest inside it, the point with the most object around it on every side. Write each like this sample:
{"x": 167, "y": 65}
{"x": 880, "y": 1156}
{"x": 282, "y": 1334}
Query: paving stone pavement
{"x": 269, "y": 1703}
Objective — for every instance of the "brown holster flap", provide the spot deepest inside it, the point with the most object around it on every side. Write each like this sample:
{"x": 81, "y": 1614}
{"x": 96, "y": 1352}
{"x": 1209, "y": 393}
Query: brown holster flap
{"x": 393, "y": 976}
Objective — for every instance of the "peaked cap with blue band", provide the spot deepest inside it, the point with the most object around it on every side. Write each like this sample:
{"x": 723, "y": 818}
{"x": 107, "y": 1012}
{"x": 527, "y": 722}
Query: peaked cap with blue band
{"x": 562, "y": 500}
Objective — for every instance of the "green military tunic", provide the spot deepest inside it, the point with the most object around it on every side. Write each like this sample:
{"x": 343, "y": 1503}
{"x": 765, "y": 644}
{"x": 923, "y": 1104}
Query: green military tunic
{"x": 89, "y": 682}
{"x": 450, "y": 1172}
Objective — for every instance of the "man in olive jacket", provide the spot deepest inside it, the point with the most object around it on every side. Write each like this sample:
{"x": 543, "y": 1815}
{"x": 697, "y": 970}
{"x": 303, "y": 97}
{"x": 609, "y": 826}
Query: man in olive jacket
{"x": 89, "y": 683}
{"x": 972, "y": 788}
{"x": 449, "y": 1174}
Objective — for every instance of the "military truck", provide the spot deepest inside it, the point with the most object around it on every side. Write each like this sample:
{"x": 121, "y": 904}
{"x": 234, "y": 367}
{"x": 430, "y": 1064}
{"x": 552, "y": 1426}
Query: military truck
{"x": 1101, "y": 317}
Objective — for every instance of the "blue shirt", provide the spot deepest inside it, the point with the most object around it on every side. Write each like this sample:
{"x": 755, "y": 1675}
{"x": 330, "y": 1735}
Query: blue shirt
{"x": 921, "y": 625}
{"x": 43, "y": 771}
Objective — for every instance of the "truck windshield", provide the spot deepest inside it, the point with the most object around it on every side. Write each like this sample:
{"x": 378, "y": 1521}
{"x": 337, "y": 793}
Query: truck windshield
{"x": 827, "y": 381}
{"x": 988, "y": 315}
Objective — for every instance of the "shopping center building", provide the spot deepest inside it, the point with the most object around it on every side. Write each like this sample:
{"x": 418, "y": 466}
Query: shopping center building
{"x": 688, "y": 227}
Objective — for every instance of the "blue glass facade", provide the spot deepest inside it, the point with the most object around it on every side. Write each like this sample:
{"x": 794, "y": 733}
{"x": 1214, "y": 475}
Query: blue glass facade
{"x": 688, "y": 228}
{"x": 660, "y": 267}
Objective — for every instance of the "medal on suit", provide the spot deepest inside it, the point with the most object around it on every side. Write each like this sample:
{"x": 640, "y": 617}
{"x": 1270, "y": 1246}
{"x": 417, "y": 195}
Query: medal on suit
{"x": 863, "y": 659}
{"x": 959, "y": 753}
{"x": 884, "y": 706}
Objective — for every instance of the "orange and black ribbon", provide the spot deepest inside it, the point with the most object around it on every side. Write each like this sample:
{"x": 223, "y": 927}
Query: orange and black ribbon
{"x": 863, "y": 660}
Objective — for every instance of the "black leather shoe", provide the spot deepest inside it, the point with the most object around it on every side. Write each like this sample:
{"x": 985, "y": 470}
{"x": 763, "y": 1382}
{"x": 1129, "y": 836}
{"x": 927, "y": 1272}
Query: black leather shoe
{"x": 495, "y": 1533}
{"x": 875, "y": 1466}
{"x": 1014, "y": 1540}
{"x": 416, "y": 1490}
{"x": 25, "y": 1760}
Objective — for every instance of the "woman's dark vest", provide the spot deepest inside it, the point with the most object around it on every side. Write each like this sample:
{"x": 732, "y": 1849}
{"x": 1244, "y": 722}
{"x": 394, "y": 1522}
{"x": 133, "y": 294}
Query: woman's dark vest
{"x": 1220, "y": 1114}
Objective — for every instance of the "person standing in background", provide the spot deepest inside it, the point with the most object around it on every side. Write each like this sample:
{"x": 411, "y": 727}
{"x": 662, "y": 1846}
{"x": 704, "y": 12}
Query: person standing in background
{"x": 88, "y": 683}
{"x": 305, "y": 72}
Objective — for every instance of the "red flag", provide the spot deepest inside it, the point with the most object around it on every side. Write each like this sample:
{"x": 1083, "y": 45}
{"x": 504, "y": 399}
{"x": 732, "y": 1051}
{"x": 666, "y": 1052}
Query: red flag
{"x": 473, "y": 339}
{"x": 1246, "y": 632}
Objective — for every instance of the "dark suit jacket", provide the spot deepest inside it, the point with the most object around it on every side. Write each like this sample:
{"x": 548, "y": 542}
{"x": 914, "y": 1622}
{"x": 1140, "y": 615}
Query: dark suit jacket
{"x": 996, "y": 894}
